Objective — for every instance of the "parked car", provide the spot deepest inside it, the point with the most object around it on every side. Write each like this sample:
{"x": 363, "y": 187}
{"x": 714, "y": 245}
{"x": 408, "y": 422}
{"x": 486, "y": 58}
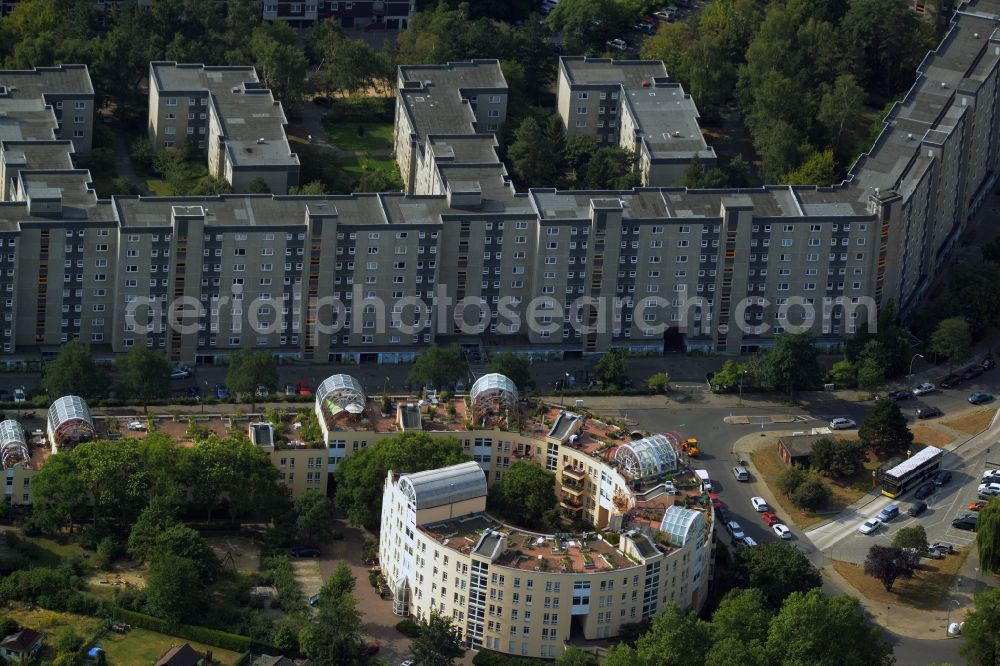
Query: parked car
{"x": 900, "y": 395}
{"x": 978, "y": 505}
{"x": 782, "y": 531}
{"x": 916, "y": 509}
{"x": 943, "y": 547}
{"x": 991, "y": 489}
{"x": 990, "y": 475}
{"x": 313, "y": 600}
{"x": 262, "y": 392}
{"x": 759, "y": 504}
{"x": 741, "y": 473}
{"x": 734, "y": 529}
{"x": 221, "y": 392}
{"x": 665, "y": 15}
{"x": 966, "y": 522}
{"x": 616, "y": 44}
{"x": 645, "y": 28}
{"x": 988, "y": 363}
{"x": 748, "y": 542}
{"x": 842, "y": 423}
{"x": 20, "y": 395}
{"x": 302, "y": 387}
{"x": 928, "y": 412}
{"x": 942, "y": 477}
{"x": 304, "y": 551}
{"x": 889, "y": 512}
{"x": 925, "y": 490}
{"x": 923, "y": 389}
{"x": 180, "y": 372}
{"x": 373, "y": 649}
{"x": 979, "y": 397}
{"x": 972, "y": 372}
{"x": 870, "y": 525}
{"x": 949, "y": 381}
{"x": 137, "y": 426}
{"x": 770, "y": 518}
{"x": 934, "y": 554}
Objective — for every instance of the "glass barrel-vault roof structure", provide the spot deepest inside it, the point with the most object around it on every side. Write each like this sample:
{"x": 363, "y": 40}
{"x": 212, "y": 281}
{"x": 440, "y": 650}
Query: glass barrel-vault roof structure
{"x": 648, "y": 457}
{"x": 447, "y": 485}
{"x": 681, "y": 525}
{"x": 70, "y": 422}
{"x": 337, "y": 392}
{"x": 492, "y": 393}
{"x": 13, "y": 445}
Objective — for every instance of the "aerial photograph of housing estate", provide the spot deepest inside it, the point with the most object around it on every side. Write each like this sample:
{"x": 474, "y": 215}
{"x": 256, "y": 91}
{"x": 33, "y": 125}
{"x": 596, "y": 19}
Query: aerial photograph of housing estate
{"x": 449, "y": 332}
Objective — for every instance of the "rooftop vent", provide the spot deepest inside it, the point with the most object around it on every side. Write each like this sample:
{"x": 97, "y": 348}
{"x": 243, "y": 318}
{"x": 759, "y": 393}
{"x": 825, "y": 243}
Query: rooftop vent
{"x": 260, "y": 140}
{"x": 975, "y": 35}
{"x": 646, "y": 83}
{"x": 236, "y": 89}
{"x": 944, "y": 85}
{"x": 909, "y": 137}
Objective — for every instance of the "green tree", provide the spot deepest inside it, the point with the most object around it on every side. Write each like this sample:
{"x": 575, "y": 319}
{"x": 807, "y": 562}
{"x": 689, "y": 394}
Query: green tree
{"x": 145, "y": 374}
{"x": 844, "y": 374}
{"x": 182, "y": 541}
{"x": 58, "y": 494}
{"x": 525, "y": 494}
{"x": 438, "y": 367}
{"x": 837, "y": 458}
{"x": 249, "y": 369}
{"x": 728, "y": 377}
{"x": 315, "y": 187}
{"x": 313, "y": 518}
{"x": 439, "y": 642}
{"x": 820, "y": 630}
{"x": 981, "y": 631}
{"x": 792, "y": 364}
{"x": 886, "y": 564}
{"x": 114, "y": 480}
{"x": 512, "y": 366}
{"x": 658, "y": 382}
{"x": 258, "y": 186}
{"x": 739, "y": 628}
{"x": 587, "y": 24}
{"x": 235, "y": 472}
{"x": 952, "y": 340}
{"x": 611, "y": 169}
{"x": 817, "y": 169}
{"x": 208, "y": 186}
{"x": 884, "y": 430}
{"x": 531, "y": 157}
{"x": 174, "y": 590}
{"x": 74, "y": 372}
{"x": 673, "y": 639}
{"x": 332, "y": 637}
{"x": 611, "y": 369}
{"x": 574, "y": 656}
{"x": 790, "y": 479}
{"x": 871, "y": 374}
{"x": 280, "y": 61}
{"x": 911, "y": 537}
{"x": 988, "y": 536}
{"x": 812, "y": 494}
{"x": 378, "y": 180}
{"x": 580, "y": 148}
{"x": 146, "y": 530}
{"x": 361, "y": 476}
{"x": 841, "y": 110}
{"x": 777, "y": 569}
{"x": 341, "y": 583}
{"x": 68, "y": 640}
{"x": 972, "y": 288}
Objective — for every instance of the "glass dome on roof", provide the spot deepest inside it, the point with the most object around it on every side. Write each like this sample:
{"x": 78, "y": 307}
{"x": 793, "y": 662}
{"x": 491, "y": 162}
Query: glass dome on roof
{"x": 648, "y": 457}
{"x": 69, "y": 421}
{"x": 13, "y": 445}
{"x": 341, "y": 391}
{"x": 681, "y": 525}
{"x": 492, "y": 392}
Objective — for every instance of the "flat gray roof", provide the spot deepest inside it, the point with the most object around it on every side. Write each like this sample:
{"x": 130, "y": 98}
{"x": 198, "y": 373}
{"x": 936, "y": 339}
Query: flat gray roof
{"x": 582, "y": 70}
{"x": 36, "y": 155}
{"x": 464, "y": 149}
{"x": 668, "y": 119}
{"x": 433, "y": 94}
{"x": 471, "y": 74}
{"x": 34, "y": 83}
{"x": 169, "y": 76}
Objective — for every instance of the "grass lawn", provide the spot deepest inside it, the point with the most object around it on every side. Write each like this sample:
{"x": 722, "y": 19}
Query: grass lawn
{"x": 355, "y": 164}
{"x": 971, "y": 421}
{"x": 143, "y": 647}
{"x": 51, "y": 552}
{"x": 52, "y": 622}
{"x": 927, "y": 589}
{"x": 344, "y": 135}
{"x": 159, "y": 187}
{"x": 768, "y": 466}
{"x": 930, "y": 436}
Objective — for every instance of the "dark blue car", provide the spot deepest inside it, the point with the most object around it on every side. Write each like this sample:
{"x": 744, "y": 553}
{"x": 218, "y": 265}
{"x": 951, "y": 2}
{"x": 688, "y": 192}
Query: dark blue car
{"x": 221, "y": 392}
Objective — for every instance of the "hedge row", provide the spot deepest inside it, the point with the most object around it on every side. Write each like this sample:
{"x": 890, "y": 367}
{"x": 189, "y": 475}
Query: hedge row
{"x": 490, "y": 658}
{"x": 219, "y": 639}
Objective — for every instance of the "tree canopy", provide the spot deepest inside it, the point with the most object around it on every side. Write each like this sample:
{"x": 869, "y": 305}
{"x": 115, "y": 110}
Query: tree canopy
{"x": 888, "y": 563}
{"x": 249, "y": 369}
{"x": 513, "y": 366}
{"x": 884, "y": 430}
{"x": 524, "y": 495}
{"x": 792, "y": 363}
{"x": 145, "y": 374}
{"x": 952, "y": 339}
{"x": 981, "y": 631}
{"x": 438, "y": 367}
{"x": 361, "y": 476}
{"x": 74, "y": 372}
{"x": 438, "y": 643}
{"x": 777, "y": 569}
{"x": 988, "y": 536}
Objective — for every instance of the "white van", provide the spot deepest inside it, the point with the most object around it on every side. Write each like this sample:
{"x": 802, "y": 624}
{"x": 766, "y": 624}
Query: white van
{"x": 706, "y": 482}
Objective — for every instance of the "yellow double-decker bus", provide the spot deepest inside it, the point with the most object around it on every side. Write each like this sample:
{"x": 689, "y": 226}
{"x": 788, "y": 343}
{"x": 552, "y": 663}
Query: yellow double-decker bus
{"x": 911, "y": 472}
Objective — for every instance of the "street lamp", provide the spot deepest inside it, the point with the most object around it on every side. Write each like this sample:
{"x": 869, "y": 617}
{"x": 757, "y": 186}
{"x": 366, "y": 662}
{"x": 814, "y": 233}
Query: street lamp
{"x": 562, "y": 391}
{"x": 915, "y": 357}
{"x": 742, "y": 378}
{"x": 947, "y": 624}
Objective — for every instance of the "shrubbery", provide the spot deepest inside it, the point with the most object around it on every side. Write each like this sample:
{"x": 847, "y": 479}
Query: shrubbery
{"x": 408, "y": 628}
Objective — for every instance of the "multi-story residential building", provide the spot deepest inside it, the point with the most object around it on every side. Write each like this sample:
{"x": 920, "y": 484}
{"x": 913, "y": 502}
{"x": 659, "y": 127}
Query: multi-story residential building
{"x": 227, "y": 114}
{"x": 367, "y": 14}
{"x": 633, "y": 104}
{"x": 465, "y": 258}
{"x": 17, "y": 462}
{"x": 46, "y": 104}
{"x": 527, "y": 593}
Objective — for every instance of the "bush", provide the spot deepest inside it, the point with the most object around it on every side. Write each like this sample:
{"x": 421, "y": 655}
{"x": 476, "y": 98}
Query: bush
{"x": 789, "y": 480}
{"x": 362, "y": 108}
{"x": 408, "y": 628}
{"x": 220, "y": 639}
{"x": 373, "y": 578}
{"x": 812, "y": 494}
{"x": 490, "y": 658}
{"x": 282, "y": 576}
{"x": 142, "y": 154}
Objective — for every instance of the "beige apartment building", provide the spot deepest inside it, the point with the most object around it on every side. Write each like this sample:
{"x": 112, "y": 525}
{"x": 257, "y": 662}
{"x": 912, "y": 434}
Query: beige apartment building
{"x": 529, "y": 593}
{"x": 633, "y": 104}
{"x": 227, "y": 114}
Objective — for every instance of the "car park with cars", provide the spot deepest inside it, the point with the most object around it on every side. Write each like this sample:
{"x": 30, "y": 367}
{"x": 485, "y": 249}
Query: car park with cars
{"x": 900, "y": 395}
{"x": 980, "y": 397}
{"x": 782, "y": 531}
{"x": 770, "y": 518}
{"x": 616, "y": 44}
{"x": 966, "y": 522}
{"x": 923, "y": 389}
{"x": 916, "y": 509}
{"x": 741, "y": 473}
{"x": 987, "y": 490}
{"x": 949, "y": 381}
{"x": 924, "y": 491}
{"x": 942, "y": 477}
{"x": 735, "y": 530}
{"x": 978, "y": 505}
{"x": 888, "y": 513}
{"x": 759, "y": 504}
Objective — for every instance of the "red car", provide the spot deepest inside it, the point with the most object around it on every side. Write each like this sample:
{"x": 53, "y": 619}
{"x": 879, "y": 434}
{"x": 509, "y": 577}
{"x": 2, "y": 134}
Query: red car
{"x": 302, "y": 387}
{"x": 716, "y": 502}
{"x": 770, "y": 518}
